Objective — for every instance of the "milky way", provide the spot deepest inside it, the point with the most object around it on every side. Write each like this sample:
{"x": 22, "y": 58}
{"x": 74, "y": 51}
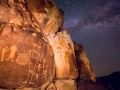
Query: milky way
{"x": 96, "y": 25}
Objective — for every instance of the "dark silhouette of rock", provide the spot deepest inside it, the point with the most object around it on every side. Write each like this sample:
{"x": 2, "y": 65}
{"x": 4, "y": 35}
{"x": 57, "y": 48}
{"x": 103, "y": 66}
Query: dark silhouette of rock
{"x": 112, "y": 81}
{"x": 87, "y": 85}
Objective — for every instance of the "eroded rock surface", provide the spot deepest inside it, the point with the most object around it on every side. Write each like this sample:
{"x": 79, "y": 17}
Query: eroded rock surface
{"x": 26, "y": 59}
{"x": 36, "y": 53}
{"x": 84, "y": 67}
{"x": 63, "y": 50}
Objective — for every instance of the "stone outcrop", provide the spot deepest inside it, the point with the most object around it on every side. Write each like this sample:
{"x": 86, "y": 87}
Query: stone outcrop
{"x": 35, "y": 51}
{"x": 84, "y": 68}
{"x": 26, "y": 58}
{"x": 65, "y": 61}
{"x": 63, "y": 50}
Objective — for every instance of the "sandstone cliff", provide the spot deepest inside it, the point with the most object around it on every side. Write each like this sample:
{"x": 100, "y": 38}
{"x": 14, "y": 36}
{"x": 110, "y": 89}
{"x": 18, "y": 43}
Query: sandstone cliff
{"x": 35, "y": 51}
{"x": 85, "y": 70}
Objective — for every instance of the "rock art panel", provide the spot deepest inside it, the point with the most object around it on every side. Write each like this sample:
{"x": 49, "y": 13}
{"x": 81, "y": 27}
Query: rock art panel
{"x": 35, "y": 51}
{"x": 26, "y": 59}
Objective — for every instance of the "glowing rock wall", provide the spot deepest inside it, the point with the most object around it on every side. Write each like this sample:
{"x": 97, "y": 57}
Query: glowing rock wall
{"x": 35, "y": 51}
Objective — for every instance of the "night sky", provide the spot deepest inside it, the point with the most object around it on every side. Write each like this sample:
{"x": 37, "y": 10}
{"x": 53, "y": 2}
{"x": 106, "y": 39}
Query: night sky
{"x": 96, "y": 25}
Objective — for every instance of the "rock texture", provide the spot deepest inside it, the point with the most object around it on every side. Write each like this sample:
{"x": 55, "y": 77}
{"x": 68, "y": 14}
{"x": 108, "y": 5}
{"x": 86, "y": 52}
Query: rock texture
{"x": 26, "y": 58}
{"x": 84, "y": 67}
{"x": 63, "y": 50}
{"x": 35, "y": 51}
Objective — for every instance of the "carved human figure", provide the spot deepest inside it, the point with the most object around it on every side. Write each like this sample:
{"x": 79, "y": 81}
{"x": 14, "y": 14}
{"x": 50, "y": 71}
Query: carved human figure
{"x": 44, "y": 61}
{"x": 13, "y": 49}
{"x": 4, "y": 50}
{"x": 44, "y": 74}
{"x": 33, "y": 54}
{"x": 39, "y": 67}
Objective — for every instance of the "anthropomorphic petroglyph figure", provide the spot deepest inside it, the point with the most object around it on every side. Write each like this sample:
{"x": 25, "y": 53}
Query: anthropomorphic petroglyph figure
{"x": 33, "y": 54}
{"x": 13, "y": 49}
{"x": 44, "y": 74}
{"x": 39, "y": 67}
{"x": 4, "y": 50}
{"x": 44, "y": 61}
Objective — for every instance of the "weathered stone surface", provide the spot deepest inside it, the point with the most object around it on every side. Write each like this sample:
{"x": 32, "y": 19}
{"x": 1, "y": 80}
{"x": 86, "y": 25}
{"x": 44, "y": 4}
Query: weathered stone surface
{"x": 49, "y": 17}
{"x": 84, "y": 67}
{"x": 26, "y": 60}
{"x": 43, "y": 15}
{"x": 63, "y": 50}
{"x": 36, "y": 53}
{"x": 66, "y": 84}
{"x": 51, "y": 87}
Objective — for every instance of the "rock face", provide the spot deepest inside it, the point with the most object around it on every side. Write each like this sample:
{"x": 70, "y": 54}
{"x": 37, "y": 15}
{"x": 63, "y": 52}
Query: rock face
{"x": 84, "y": 67}
{"x": 65, "y": 61}
{"x": 35, "y": 51}
{"x": 26, "y": 58}
{"x": 64, "y": 55}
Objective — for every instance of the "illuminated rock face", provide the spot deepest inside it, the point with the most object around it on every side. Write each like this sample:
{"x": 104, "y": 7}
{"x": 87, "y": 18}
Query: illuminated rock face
{"x": 35, "y": 51}
{"x": 64, "y": 55}
{"x": 49, "y": 17}
{"x": 84, "y": 67}
{"x": 26, "y": 60}
{"x": 28, "y": 29}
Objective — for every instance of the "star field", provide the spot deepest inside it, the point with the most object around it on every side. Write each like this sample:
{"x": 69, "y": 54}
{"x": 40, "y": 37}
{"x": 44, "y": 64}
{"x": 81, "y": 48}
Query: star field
{"x": 96, "y": 25}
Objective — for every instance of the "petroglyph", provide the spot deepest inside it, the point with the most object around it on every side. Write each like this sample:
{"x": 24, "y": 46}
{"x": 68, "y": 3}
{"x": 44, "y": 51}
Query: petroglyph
{"x": 44, "y": 74}
{"x": 44, "y": 61}
{"x": 33, "y": 54}
{"x": 13, "y": 50}
{"x": 22, "y": 59}
{"x": 39, "y": 67}
{"x": 4, "y": 50}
